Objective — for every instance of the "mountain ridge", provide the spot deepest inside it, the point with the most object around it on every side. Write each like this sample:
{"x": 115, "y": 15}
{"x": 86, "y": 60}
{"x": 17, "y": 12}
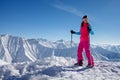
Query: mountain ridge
{"x": 19, "y": 49}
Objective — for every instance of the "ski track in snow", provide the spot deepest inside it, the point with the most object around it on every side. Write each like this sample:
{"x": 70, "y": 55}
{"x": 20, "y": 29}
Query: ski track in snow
{"x": 59, "y": 68}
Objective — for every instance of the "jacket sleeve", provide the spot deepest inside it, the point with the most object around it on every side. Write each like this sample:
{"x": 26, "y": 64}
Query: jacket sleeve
{"x": 91, "y": 31}
{"x": 77, "y": 33}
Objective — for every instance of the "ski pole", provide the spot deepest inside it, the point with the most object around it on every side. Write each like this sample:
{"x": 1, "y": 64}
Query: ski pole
{"x": 71, "y": 43}
{"x": 71, "y": 40}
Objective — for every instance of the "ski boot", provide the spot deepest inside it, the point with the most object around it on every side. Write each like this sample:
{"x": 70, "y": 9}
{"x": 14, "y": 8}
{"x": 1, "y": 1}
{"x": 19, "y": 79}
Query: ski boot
{"x": 90, "y": 66}
{"x": 79, "y": 64}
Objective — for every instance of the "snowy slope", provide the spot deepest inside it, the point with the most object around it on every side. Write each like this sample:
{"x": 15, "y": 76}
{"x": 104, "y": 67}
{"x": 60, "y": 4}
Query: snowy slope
{"x": 59, "y": 68}
{"x": 18, "y": 49}
{"x": 3, "y": 63}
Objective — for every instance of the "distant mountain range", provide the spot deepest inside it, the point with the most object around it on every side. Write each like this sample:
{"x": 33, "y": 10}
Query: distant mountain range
{"x": 18, "y": 49}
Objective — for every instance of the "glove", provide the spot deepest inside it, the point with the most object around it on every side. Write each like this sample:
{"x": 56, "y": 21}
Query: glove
{"x": 72, "y": 32}
{"x": 91, "y": 32}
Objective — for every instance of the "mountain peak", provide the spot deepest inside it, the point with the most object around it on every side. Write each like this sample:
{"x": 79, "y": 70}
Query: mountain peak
{"x": 61, "y": 40}
{"x": 18, "y": 49}
{"x": 2, "y": 35}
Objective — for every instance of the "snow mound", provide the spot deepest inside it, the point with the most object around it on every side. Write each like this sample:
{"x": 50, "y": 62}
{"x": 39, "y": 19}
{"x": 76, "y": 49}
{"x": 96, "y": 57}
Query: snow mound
{"x": 59, "y": 68}
{"x": 3, "y": 63}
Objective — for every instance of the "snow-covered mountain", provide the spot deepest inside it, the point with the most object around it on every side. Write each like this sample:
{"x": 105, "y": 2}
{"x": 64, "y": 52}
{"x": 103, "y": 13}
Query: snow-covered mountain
{"x": 18, "y": 49}
{"x": 39, "y": 59}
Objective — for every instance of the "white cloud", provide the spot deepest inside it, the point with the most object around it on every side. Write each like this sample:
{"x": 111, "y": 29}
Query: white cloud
{"x": 68, "y": 8}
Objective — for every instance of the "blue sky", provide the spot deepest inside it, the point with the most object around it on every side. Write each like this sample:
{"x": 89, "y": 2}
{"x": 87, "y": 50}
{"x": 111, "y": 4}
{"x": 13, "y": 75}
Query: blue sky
{"x": 53, "y": 19}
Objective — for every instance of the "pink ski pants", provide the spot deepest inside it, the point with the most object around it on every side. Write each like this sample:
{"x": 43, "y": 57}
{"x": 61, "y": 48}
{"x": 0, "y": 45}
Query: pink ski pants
{"x": 86, "y": 46}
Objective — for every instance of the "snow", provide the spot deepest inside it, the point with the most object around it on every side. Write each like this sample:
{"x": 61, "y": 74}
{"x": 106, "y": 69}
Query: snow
{"x": 60, "y": 68}
{"x": 28, "y": 53}
{"x": 4, "y": 42}
{"x": 3, "y": 63}
{"x": 18, "y": 49}
{"x": 39, "y": 59}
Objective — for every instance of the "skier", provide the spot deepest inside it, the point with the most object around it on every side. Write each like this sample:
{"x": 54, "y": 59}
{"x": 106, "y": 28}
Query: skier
{"x": 85, "y": 29}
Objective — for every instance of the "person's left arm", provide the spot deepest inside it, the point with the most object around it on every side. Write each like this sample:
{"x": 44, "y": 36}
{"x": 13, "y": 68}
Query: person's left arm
{"x": 91, "y": 31}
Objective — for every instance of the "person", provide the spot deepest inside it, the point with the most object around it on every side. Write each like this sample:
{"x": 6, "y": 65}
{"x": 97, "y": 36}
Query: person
{"x": 85, "y": 29}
